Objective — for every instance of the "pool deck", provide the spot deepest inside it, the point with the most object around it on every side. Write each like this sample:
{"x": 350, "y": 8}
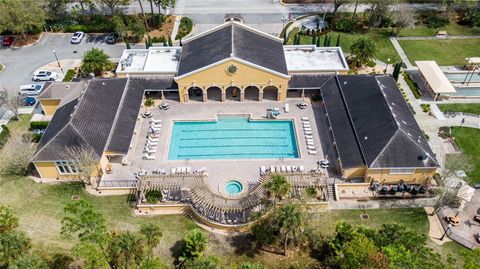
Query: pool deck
{"x": 247, "y": 170}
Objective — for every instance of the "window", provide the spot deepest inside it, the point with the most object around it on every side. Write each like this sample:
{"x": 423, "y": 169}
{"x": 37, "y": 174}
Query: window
{"x": 402, "y": 171}
{"x": 65, "y": 167}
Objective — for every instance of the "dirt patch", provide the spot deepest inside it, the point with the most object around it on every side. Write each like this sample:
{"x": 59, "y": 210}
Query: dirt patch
{"x": 30, "y": 39}
{"x": 166, "y": 29}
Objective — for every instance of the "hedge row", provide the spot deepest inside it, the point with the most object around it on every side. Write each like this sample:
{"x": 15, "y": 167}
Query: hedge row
{"x": 38, "y": 125}
{"x": 69, "y": 75}
{"x": 413, "y": 85}
{"x": 186, "y": 25}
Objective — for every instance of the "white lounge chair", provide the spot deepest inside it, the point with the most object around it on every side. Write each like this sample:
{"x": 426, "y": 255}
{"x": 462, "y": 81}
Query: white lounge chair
{"x": 312, "y": 152}
{"x": 277, "y": 169}
{"x": 305, "y": 119}
{"x": 294, "y": 169}
{"x": 148, "y": 157}
{"x": 311, "y": 147}
{"x": 301, "y": 168}
{"x": 149, "y": 151}
{"x": 307, "y": 129}
{"x": 184, "y": 170}
{"x": 306, "y": 124}
{"x": 263, "y": 170}
{"x": 152, "y": 143}
{"x": 284, "y": 169}
{"x": 309, "y": 136}
{"x": 173, "y": 171}
{"x": 189, "y": 170}
{"x": 308, "y": 132}
{"x": 309, "y": 140}
{"x": 289, "y": 169}
{"x": 310, "y": 144}
{"x": 287, "y": 108}
{"x": 272, "y": 169}
{"x": 155, "y": 125}
{"x": 155, "y": 121}
{"x": 153, "y": 139}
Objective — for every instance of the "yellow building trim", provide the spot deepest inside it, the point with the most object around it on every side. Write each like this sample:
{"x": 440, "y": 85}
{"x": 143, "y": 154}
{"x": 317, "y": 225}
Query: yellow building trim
{"x": 49, "y": 106}
{"x": 419, "y": 176}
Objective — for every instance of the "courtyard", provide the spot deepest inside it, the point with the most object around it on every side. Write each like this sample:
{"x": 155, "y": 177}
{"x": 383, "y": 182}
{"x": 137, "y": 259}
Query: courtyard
{"x": 245, "y": 169}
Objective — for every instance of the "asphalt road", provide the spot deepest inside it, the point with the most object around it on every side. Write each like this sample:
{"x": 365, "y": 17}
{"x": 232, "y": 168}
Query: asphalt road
{"x": 20, "y": 63}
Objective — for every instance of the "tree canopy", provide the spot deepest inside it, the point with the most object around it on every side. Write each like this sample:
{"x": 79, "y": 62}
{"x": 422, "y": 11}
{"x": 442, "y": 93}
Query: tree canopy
{"x": 96, "y": 61}
{"x": 21, "y": 16}
{"x": 363, "y": 51}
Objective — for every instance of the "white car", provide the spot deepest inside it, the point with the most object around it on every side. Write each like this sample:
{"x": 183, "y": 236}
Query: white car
{"x": 30, "y": 89}
{"x": 77, "y": 37}
{"x": 44, "y": 75}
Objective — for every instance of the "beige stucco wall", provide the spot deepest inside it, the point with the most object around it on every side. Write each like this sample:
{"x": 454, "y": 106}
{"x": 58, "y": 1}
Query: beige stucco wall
{"x": 48, "y": 170}
{"x": 357, "y": 172}
{"x": 420, "y": 176}
{"x": 50, "y": 106}
{"x": 245, "y": 76}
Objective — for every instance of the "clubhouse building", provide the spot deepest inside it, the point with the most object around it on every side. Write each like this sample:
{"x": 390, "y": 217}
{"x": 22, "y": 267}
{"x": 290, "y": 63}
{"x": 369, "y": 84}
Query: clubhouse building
{"x": 369, "y": 126}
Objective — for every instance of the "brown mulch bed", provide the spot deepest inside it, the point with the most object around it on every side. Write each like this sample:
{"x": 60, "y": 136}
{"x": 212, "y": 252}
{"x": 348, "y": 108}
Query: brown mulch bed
{"x": 30, "y": 39}
{"x": 166, "y": 29}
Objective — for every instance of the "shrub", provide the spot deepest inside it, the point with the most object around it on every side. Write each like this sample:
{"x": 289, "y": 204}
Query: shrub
{"x": 36, "y": 137}
{"x": 436, "y": 21}
{"x": 413, "y": 86}
{"x": 186, "y": 25}
{"x": 345, "y": 25}
{"x": 153, "y": 196}
{"x": 158, "y": 39}
{"x": 69, "y": 75}
{"x": 425, "y": 107}
{"x": 4, "y": 135}
{"x": 149, "y": 101}
{"x": 472, "y": 17}
{"x": 38, "y": 125}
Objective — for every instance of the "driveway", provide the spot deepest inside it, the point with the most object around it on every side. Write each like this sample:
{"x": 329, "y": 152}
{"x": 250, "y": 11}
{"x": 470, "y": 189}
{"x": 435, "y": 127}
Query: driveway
{"x": 20, "y": 63}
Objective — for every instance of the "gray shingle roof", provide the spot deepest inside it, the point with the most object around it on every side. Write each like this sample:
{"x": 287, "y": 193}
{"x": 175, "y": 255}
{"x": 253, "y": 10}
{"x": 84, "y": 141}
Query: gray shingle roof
{"x": 307, "y": 81}
{"x": 58, "y": 90}
{"x": 232, "y": 40}
{"x": 87, "y": 120}
{"x": 384, "y": 129}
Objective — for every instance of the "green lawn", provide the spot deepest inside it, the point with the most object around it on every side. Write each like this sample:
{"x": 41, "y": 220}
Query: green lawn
{"x": 40, "y": 210}
{"x": 445, "y": 52}
{"x": 453, "y": 29}
{"x": 467, "y": 140}
{"x": 468, "y": 108}
{"x": 380, "y": 37}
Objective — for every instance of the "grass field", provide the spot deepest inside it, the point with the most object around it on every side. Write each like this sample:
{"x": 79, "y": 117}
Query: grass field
{"x": 453, "y": 29}
{"x": 40, "y": 209}
{"x": 380, "y": 37}
{"x": 468, "y": 108}
{"x": 467, "y": 139}
{"x": 445, "y": 52}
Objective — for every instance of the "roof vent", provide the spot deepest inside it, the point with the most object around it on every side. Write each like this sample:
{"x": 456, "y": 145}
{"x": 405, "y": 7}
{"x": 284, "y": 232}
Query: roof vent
{"x": 366, "y": 137}
{"x": 344, "y": 83}
{"x": 103, "y": 83}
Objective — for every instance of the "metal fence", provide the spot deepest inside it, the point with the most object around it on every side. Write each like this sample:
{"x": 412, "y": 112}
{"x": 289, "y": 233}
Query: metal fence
{"x": 118, "y": 184}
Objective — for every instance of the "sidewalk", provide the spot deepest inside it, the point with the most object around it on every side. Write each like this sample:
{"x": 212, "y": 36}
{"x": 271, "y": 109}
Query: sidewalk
{"x": 401, "y": 53}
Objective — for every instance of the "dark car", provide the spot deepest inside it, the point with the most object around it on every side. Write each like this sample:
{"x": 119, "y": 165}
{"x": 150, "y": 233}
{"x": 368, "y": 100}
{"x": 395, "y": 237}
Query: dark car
{"x": 29, "y": 101}
{"x": 7, "y": 41}
{"x": 111, "y": 38}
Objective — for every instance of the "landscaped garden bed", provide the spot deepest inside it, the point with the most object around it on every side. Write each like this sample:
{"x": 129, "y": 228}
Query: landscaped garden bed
{"x": 466, "y": 108}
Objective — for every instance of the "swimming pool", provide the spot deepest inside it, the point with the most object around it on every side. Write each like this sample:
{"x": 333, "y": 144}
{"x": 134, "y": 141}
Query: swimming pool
{"x": 468, "y": 91}
{"x": 460, "y": 77}
{"x": 233, "y": 137}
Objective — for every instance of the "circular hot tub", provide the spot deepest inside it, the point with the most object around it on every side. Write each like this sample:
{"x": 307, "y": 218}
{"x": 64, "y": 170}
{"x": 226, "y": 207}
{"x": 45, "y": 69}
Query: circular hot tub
{"x": 232, "y": 188}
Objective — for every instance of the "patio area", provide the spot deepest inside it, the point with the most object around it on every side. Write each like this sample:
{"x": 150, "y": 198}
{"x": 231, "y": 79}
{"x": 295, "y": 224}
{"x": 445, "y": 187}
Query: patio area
{"x": 217, "y": 171}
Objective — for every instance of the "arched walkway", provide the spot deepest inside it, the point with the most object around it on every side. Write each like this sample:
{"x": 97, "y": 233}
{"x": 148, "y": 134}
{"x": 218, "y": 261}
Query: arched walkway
{"x": 270, "y": 93}
{"x": 214, "y": 94}
{"x": 195, "y": 94}
{"x": 232, "y": 93}
{"x": 252, "y": 93}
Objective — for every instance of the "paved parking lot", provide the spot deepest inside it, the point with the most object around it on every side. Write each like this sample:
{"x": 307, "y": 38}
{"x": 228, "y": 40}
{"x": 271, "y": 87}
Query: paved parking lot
{"x": 20, "y": 63}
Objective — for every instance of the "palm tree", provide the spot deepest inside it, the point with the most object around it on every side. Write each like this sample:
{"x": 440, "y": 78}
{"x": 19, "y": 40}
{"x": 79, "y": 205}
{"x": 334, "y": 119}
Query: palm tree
{"x": 363, "y": 51}
{"x": 96, "y": 61}
{"x": 127, "y": 247}
{"x": 195, "y": 244}
{"x": 143, "y": 14}
{"x": 152, "y": 234}
{"x": 278, "y": 187}
{"x": 291, "y": 220}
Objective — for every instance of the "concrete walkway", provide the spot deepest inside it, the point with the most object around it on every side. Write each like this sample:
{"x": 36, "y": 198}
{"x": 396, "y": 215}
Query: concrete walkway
{"x": 401, "y": 53}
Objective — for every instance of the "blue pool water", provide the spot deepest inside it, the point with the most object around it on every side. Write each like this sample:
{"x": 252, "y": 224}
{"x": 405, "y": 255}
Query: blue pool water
{"x": 233, "y": 187}
{"x": 460, "y": 77}
{"x": 233, "y": 138}
{"x": 471, "y": 91}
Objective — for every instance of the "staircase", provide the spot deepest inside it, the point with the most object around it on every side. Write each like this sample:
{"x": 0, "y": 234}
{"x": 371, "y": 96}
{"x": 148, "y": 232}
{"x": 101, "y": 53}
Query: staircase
{"x": 330, "y": 192}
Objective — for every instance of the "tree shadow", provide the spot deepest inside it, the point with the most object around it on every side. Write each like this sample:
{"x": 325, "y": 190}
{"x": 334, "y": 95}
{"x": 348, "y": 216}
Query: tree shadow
{"x": 176, "y": 250}
{"x": 243, "y": 244}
